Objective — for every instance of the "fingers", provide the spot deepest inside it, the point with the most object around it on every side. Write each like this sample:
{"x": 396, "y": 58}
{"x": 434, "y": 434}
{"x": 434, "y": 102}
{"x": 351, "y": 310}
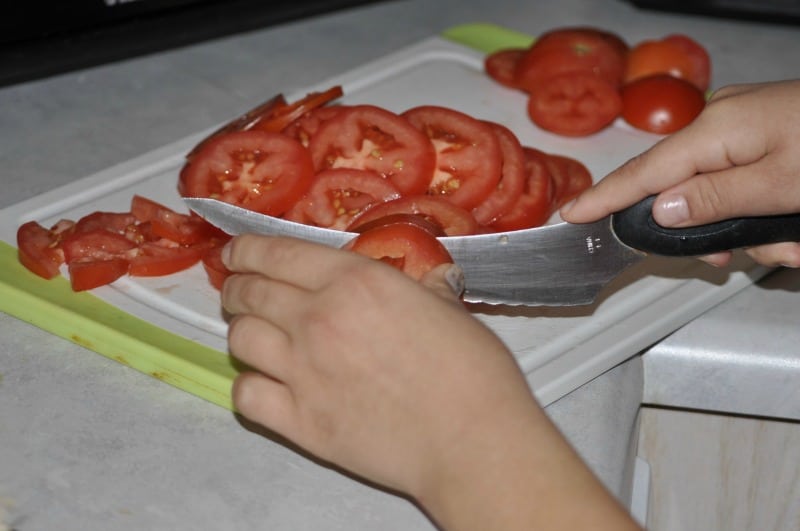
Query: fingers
{"x": 265, "y": 401}
{"x": 778, "y": 254}
{"x": 286, "y": 259}
{"x": 261, "y": 345}
{"x": 273, "y": 301}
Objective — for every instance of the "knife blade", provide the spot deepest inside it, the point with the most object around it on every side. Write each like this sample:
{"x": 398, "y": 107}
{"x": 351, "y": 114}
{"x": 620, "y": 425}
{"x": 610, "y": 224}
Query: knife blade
{"x": 562, "y": 264}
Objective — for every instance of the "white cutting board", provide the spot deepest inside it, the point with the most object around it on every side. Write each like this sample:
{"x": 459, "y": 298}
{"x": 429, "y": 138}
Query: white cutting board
{"x": 559, "y": 349}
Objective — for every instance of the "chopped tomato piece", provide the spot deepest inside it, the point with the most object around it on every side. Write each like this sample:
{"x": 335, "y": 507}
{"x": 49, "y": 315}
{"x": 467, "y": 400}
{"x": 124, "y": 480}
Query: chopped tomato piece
{"x": 215, "y": 269}
{"x": 257, "y": 170}
{"x": 39, "y": 249}
{"x": 409, "y": 248}
{"x": 468, "y": 154}
{"x": 367, "y": 137}
{"x": 154, "y": 260}
{"x": 502, "y": 66}
{"x": 90, "y": 274}
{"x": 118, "y": 222}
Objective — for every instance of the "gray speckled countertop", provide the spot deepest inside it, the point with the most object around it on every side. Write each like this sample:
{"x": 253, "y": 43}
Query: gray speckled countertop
{"x": 89, "y": 444}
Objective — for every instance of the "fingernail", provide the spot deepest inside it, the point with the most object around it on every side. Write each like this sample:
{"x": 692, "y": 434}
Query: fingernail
{"x": 671, "y": 210}
{"x": 454, "y": 276}
{"x": 225, "y": 254}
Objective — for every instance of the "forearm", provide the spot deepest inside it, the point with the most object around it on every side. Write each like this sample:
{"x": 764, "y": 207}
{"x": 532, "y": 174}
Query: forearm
{"x": 524, "y": 477}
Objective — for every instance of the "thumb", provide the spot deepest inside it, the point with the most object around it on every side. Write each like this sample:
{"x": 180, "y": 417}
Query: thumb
{"x": 446, "y": 280}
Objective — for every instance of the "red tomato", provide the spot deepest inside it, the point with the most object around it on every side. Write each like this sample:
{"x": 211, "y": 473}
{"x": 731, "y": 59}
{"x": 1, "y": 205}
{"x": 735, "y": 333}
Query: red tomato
{"x": 39, "y": 249}
{"x": 215, "y": 269}
{"x": 258, "y": 170}
{"x": 154, "y": 259}
{"x": 307, "y": 125}
{"x": 533, "y": 207}
{"x": 338, "y": 195}
{"x": 90, "y": 274}
{"x": 512, "y": 180}
{"x": 119, "y": 222}
{"x": 661, "y": 103}
{"x": 409, "y": 248}
{"x": 701, "y": 71}
{"x": 570, "y": 178}
{"x": 502, "y": 66}
{"x": 468, "y": 154}
{"x": 453, "y": 220}
{"x": 676, "y": 55}
{"x": 97, "y": 257}
{"x": 574, "y": 104}
{"x": 166, "y": 223}
{"x": 273, "y": 115}
{"x": 569, "y": 50}
{"x": 367, "y": 137}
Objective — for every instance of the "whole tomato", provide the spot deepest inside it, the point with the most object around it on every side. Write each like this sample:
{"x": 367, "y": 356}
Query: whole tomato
{"x": 661, "y": 103}
{"x": 570, "y": 50}
{"x": 677, "y": 55}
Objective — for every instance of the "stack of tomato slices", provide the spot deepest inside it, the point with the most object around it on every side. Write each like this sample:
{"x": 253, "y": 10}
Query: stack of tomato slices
{"x": 399, "y": 180}
{"x": 580, "y": 79}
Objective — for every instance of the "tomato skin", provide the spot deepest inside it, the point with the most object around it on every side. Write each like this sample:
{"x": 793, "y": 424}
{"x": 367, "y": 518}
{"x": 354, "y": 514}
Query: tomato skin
{"x": 340, "y": 194}
{"x": 569, "y": 176}
{"x": 570, "y": 50}
{"x": 533, "y": 207}
{"x": 501, "y": 66}
{"x": 407, "y": 247}
{"x": 661, "y": 103}
{"x": 367, "y": 137}
{"x": 39, "y": 249}
{"x": 676, "y": 55}
{"x": 574, "y": 104}
{"x": 258, "y": 170}
{"x": 90, "y": 274}
{"x": 454, "y": 220}
{"x": 468, "y": 154}
{"x": 512, "y": 179}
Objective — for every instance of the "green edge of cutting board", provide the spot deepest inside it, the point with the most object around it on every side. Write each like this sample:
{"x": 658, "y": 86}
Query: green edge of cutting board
{"x": 99, "y": 326}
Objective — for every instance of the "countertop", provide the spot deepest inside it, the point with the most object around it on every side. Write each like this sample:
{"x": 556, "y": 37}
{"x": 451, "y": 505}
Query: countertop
{"x": 90, "y": 444}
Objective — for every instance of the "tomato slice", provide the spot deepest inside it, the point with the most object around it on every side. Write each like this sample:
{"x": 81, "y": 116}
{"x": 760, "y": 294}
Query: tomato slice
{"x": 340, "y": 194}
{"x": 367, "y": 137}
{"x": 512, "y": 179}
{"x": 570, "y": 177}
{"x": 468, "y": 154}
{"x": 571, "y": 50}
{"x": 154, "y": 259}
{"x": 501, "y": 66}
{"x": 453, "y": 220}
{"x": 262, "y": 171}
{"x": 661, "y": 103}
{"x": 533, "y": 207}
{"x": 39, "y": 249}
{"x": 409, "y": 219}
{"x": 307, "y": 125}
{"x": 574, "y": 104}
{"x": 215, "y": 269}
{"x": 409, "y": 248}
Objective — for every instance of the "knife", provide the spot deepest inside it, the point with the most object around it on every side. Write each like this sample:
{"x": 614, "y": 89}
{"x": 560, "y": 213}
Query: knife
{"x": 563, "y": 264}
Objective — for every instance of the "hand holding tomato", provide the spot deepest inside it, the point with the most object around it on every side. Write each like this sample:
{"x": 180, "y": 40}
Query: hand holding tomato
{"x": 738, "y": 158}
{"x": 371, "y": 371}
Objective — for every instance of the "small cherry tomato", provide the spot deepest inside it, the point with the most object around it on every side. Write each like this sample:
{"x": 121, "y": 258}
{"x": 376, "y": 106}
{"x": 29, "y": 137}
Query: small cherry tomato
{"x": 661, "y": 103}
{"x": 574, "y": 104}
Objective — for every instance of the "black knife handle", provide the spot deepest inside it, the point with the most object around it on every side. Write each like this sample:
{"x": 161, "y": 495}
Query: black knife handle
{"x": 636, "y": 228}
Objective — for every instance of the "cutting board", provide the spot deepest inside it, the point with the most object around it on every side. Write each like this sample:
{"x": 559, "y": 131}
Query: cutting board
{"x": 173, "y": 328}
